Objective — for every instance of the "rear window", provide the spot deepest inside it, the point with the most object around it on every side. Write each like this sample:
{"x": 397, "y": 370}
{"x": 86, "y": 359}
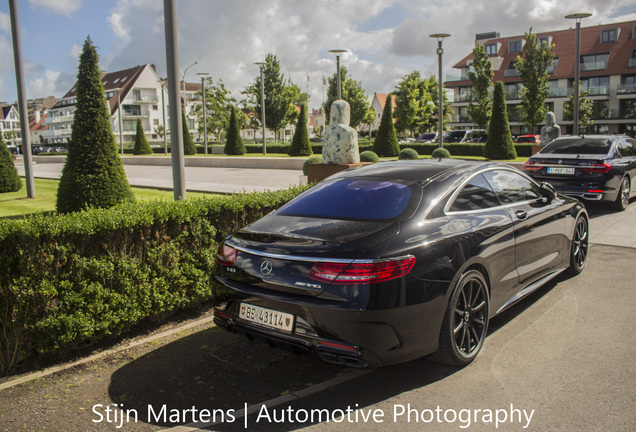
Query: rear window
{"x": 575, "y": 146}
{"x": 353, "y": 199}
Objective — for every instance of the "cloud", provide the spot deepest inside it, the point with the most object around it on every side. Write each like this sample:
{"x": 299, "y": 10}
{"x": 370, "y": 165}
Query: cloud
{"x": 59, "y": 7}
{"x": 5, "y": 23}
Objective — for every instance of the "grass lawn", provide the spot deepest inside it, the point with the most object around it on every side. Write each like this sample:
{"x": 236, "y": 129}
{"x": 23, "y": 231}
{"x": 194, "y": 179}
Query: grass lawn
{"x": 15, "y": 204}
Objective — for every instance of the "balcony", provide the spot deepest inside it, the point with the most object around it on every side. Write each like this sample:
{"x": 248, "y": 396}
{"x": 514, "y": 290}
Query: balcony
{"x": 598, "y": 91}
{"x": 56, "y": 133}
{"x": 462, "y": 118}
{"x": 454, "y": 78}
{"x": 145, "y": 99}
{"x": 593, "y": 66}
{"x": 134, "y": 113}
{"x": 59, "y": 119}
{"x": 626, "y": 88}
{"x": 465, "y": 98}
{"x": 508, "y": 73}
{"x": 560, "y": 92}
{"x": 510, "y": 95}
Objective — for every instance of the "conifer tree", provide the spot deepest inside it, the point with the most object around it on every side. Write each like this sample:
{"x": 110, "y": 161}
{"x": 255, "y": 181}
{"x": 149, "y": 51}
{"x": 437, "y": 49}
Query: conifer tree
{"x": 188, "y": 145}
{"x": 234, "y": 144}
{"x": 93, "y": 175}
{"x": 499, "y": 144}
{"x": 9, "y": 179}
{"x": 141, "y": 143}
{"x": 386, "y": 143}
{"x": 300, "y": 145}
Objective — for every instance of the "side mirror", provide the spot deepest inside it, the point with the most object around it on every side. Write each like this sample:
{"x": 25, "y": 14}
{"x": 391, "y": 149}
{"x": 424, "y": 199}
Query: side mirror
{"x": 548, "y": 192}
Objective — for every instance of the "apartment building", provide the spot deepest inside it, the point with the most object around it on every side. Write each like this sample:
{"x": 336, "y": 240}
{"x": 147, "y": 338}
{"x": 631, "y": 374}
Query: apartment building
{"x": 10, "y": 125}
{"x": 607, "y": 71}
{"x": 131, "y": 94}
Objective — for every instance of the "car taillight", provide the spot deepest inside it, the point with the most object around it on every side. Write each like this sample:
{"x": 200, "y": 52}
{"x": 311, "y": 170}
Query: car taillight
{"x": 226, "y": 255}
{"x": 597, "y": 168}
{"x": 361, "y": 273}
{"x": 530, "y": 166}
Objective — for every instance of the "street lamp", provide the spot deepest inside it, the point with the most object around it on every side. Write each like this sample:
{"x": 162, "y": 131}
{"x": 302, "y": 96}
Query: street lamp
{"x": 163, "y": 110}
{"x": 184, "y": 75}
{"x": 337, "y": 52}
{"x": 440, "y": 132}
{"x": 121, "y": 137}
{"x": 261, "y": 65}
{"x": 577, "y": 67}
{"x": 205, "y": 125}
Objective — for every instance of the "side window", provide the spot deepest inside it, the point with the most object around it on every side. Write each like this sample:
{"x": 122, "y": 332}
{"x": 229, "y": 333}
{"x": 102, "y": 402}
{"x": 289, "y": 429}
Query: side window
{"x": 512, "y": 187}
{"x": 476, "y": 195}
{"x": 626, "y": 148}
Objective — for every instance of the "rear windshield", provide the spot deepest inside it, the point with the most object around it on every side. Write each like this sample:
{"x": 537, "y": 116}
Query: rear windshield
{"x": 455, "y": 136}
{"x": 575, "y": 146}
{"x": 353, "y": 199}
{"x": 523, "y": 139}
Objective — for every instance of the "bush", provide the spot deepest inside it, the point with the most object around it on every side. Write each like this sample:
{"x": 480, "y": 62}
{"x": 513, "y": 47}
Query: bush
{"x": 300, "y": 145}
{"x": 93, "y": 175}
{"x": 499, "y": 144}
{"x": 9, "y": 179}
{"x": 440, "y": 153}
{"x": 369, "y": 156}
{"x": 234, "y": 144}
{"x": 141, "y": 143}
{"x": 311, "y": 160}
{"x": 71, "y": 280}
{"x": 408, "y": 154}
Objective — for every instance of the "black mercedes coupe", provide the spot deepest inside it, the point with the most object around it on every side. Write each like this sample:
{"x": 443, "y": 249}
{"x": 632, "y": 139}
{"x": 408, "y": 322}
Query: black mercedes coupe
{"x": 397, "y": 260}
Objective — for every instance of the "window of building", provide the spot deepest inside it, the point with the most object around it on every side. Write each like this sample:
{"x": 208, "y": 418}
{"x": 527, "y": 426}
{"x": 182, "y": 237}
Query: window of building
{"x": 465, "y": 94}
{"x": 544, "y": 39}
{"x": 553, "y": 66}
{"x": 491, "y": 49}
{"x": 511, "y": 70}
{"x": 609, "y": 35}
{"x": 512, "y": 90}
{"x": 600, "y": 109}
{"x": 632, "y": 59}
{"x": 155, "y": 122}
{"x": 594, "y": 62}
{"x": 595, "y": 85}
{"x": 514, "y": 46}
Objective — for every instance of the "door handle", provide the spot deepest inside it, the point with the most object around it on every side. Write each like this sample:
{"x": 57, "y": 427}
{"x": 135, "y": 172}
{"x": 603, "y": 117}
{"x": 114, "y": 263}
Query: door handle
{"x": 520, "y": 214}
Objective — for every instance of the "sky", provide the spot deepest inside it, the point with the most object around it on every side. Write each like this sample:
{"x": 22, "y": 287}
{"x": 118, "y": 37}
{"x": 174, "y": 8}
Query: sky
{"x": 384, "y": 39}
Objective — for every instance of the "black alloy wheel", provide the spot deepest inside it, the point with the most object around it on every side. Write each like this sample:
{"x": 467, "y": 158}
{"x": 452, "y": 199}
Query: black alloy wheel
{"x": 578, "y": 252}
{"x": 466, "y": 321}
{"x": 622, "y": 200}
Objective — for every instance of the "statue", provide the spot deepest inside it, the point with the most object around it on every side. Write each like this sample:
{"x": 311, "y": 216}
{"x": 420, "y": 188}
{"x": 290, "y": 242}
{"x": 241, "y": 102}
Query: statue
{"x": 551, "y": 130}
{"x": 340, "y": 143}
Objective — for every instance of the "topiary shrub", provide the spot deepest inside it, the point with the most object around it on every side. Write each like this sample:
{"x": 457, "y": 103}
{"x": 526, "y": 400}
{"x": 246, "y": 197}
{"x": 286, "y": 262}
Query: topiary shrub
{"x": 188, "y": 145}
{"x": 234, "y": 144}
{"x": 408, "y": 154}
{"x": 440, "y": 153}
{"x": 499, "y": 144}
{"x": 311, "y": 160}
{"x": 9, "y": 179}
{"x": 300, "y": 145}
{"x": 386, "y": 143}
{"x": 141, "y": 143}
{"x": 369, "y": 156}
{"x": 93, "y": 175}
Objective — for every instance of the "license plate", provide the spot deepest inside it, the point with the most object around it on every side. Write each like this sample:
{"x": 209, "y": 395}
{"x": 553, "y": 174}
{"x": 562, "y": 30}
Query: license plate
{"x": 553, "y": 170}
{"x": 267, "y": 317}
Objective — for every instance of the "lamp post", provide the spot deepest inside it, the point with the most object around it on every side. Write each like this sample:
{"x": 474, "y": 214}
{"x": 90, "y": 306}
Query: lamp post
{"x": 577, "y": 67}
{"x": 337, "y": 52}
{"x": 163, "y": 110}
{"x": 184, "y": 75}
{"x": 205, "y": 125}
{"x": 121, "y": 136}
{"x": 261, "y": 65}
{"x": 440, "y": 132}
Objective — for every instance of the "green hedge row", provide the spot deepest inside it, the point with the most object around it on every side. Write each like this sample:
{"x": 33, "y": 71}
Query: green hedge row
{"x": 70, "y": 280}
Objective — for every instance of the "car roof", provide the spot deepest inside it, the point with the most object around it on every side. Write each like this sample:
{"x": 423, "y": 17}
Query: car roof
{"x": 419, "y": 171}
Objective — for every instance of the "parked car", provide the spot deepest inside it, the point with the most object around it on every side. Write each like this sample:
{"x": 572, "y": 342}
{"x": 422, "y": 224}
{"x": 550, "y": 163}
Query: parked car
{"x": 428, "y": 137}
{"x": 593, "y": 167}
{"x": 528, "y": 139}
{"x": 463, "y": 136}
{"x": 390, "y": 262}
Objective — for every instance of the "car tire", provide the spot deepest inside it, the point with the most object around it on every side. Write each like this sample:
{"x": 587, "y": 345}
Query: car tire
{"x": 622, "y": 200}
{"x": 465, "y": 322}
{"x": 579, "y": 247}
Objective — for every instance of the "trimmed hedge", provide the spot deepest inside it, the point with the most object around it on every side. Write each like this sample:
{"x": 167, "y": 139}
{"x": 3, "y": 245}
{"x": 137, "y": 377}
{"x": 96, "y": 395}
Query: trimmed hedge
{"x": 71, "y": 280}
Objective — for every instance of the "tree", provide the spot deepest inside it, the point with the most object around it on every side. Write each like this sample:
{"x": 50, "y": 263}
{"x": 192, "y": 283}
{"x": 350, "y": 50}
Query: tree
{"x": 499, "y": 144}
{"x": 412, "y": 103}
{"x": 93, "y": 175}
{"x": 9, "y": 179}
{"x": 481, "y": 76}
{"x": 430, "y": 114}
{"x": 277, "y": 97}
{"x": 586, "y": 108}
{"x": 353, "y": 93}
{"x": 141, "y": 143}
{"x": 188, "y": 145}
{"x": 532, "y": 66}
{"x": 300, "y": 145}
{"x": 234, "y": 144}
{"x": 369, "y": 119}
{"x": 386, "y": 143}
{"x": 217, "y": 108}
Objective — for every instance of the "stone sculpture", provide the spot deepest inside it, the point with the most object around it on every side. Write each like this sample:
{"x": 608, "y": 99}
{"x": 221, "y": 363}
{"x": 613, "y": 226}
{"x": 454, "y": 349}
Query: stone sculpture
{"x": 551, "y": 130}
{"x": 340, "y": 143}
